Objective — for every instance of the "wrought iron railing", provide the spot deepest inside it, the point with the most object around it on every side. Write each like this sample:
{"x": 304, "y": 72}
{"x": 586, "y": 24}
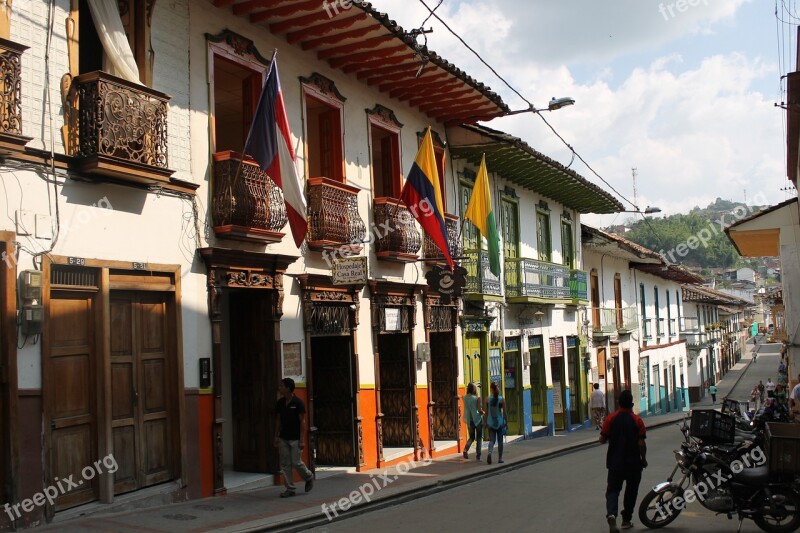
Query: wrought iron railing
{"x": 690, "y": 324}
{"x": 244, "y": 196}
{"x": 397, "y": 236}
{"x": 578, "y": 285}
{"x": 606, "y": 320}
{"x": 432, "y": 252}
{"x": 673, "y": 327}
{"x": 647, "y": 328}
{"x": 333, "y": 214}
{"x": 480, "y": 279}
{"x": 119, "y": 119}
{"x": 537, "y": 279}
{"x": 11, "y": 87}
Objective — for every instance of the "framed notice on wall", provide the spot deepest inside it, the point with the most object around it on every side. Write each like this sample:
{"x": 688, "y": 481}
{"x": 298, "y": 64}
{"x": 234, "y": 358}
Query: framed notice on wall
{"x": 558, "y": 404}
{"x": 292, "y": 359}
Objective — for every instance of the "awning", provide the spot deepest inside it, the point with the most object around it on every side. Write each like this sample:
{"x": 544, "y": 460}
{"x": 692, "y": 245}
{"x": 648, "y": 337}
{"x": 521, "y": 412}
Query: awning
{"x": 759, "y": 235}
{"x": 518, "y": 163}
{"x": 669, "y": 272}
{"x": 368, "y": 45}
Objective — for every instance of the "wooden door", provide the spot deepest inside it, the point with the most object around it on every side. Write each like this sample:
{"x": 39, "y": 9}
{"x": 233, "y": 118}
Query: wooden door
{"x": 443, "y": 380}
{"x": 69, "y": 395}
{"x": 396, "y": 391}
{"x": 538, "y": 381}
{"x": 254, "y": 381}
{"x": 618, "y": 301}
{"x": 332, "y": 370}
{"x": 472, "y": 362}
{"x": 141, "y": 397}
{"x": 594, "y": 286}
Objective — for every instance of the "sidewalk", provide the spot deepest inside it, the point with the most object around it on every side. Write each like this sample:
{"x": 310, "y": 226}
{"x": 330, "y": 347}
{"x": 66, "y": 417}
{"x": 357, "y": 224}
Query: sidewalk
{"x": 263, "y": 510}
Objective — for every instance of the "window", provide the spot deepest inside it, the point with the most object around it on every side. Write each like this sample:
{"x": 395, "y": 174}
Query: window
{"x": 237, "y": 87}
{"x": 509, "y": 219}
{"x": 470, "y": 236}
{"x": 324, "y": 109}
{"x": 439, "y": 153}
{"x": 645, "y": 325}
{"x": 135, "y": 17}
{"x": 669, "y": 315}
{"x": 567, "y": 248}
{"x": 678, "y": 303}
{"x": 618, "y": 300}
{"x": 658, "y": 311}
{"x": 384, "y": 136}
{"x": 543, "y": 232}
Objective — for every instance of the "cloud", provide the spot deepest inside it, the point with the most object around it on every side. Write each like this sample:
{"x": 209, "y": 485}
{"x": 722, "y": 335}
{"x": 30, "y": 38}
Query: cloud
{"x": 695, "y": 128}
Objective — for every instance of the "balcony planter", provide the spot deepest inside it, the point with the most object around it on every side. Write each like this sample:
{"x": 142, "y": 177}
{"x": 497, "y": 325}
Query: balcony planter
{"x": 333, "y": 219}
{"x": 119, "y": 129}
{"x": 11, "y": 138}
{"x": 433, "y": 255}
{"x": 247, "y": 207}
{"x": 398, "y": 238}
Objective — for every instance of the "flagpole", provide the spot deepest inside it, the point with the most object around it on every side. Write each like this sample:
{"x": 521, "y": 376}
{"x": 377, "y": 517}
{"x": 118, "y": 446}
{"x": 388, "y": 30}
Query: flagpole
{"x": 232, "y": 183}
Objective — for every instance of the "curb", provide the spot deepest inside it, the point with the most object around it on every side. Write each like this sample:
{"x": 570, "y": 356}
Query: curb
{"x": 412, "y": 493}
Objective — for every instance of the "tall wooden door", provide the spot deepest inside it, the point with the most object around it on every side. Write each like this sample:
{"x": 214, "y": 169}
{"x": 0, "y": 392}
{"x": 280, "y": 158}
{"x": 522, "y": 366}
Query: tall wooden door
{"x": 397, "y": 395}
{"x": 333, "y": 376}
{"x": 254, "y": 381}
{"x": 538, "y": 381}
{"x": 472, "y": 363}
{"x": 443, "y": 379}
{"x": 69, "y": 395}
{"x": 142, "y": 403}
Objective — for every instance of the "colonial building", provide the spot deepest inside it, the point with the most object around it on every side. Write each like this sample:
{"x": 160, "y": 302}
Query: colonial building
{"x": 635, "y": 313}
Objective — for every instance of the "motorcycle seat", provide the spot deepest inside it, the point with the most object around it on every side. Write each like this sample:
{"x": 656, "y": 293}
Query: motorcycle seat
{"x": 756, "y": 477}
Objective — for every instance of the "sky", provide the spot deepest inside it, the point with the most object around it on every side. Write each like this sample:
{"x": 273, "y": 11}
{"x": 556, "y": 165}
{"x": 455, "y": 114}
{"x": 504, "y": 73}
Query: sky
{"x": 684, "y": 92}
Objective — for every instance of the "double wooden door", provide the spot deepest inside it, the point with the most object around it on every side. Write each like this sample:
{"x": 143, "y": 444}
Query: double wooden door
{"x": 334, "y": 405}
{"x": 141, "y": 404}
{"x": 443, "y": 390}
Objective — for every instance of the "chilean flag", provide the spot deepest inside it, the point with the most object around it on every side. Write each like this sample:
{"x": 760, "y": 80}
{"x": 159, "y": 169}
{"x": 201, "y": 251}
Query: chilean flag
{"x": 269, "y": 143}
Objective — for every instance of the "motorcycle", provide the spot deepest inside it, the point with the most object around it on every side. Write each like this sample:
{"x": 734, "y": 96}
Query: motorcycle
{"x": 738, "y": 487}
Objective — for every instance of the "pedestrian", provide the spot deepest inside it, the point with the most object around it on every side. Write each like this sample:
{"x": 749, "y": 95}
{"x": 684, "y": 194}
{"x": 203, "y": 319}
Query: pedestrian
{"x": 769, "y": 386}
{"x": 756, "y": 396}
{"x": 762, "y": 389}
{"x": 780, "y": 394}
{"x": 712, "y": 389}
{"x": 496, "y": 420}
{"x": 598, "y": 405}
{"x": 794, "y": 399}
{"x": 290, "y": 433}
{"x": 625, "y": 433}
{"x": 473, "y": 417}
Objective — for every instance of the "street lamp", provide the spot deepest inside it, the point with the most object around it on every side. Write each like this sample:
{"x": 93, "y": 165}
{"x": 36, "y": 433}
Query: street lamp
{"x": 552, "y": 105}
{"x": 647, "y": 211}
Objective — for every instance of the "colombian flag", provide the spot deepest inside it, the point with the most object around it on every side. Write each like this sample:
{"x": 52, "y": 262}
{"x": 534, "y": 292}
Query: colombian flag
{"x": 479, "y": 212}
{"x": 422, "y": 187}
{"x": 270, "y": 144}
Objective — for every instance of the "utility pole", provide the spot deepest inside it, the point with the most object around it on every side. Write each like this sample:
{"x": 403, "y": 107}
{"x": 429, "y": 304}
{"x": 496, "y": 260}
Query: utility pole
{"x": 635, "y": 193}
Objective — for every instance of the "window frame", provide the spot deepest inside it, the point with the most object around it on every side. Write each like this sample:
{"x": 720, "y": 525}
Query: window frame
{"x": 566, "y": 224}
{"x": 543, "y": 211}
{"x": 383, "y": 118}
{"x": 323, "y": 90}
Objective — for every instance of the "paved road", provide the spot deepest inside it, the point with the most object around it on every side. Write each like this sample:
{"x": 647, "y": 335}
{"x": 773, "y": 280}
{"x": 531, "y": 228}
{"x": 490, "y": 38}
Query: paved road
{"x": 564, "y": 494}
{"x": 766, "y": 366}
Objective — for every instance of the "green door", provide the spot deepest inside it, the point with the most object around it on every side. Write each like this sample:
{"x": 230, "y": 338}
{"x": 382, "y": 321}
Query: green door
{"x": 538, "y": 381}
{"x": 513, "y": 385}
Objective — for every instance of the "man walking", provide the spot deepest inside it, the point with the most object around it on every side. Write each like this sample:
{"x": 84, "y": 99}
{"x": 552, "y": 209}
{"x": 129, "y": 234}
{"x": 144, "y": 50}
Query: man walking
{"x": 626, "y": 457}
{"x": 290, "y": 433}
{"x": 770, "y": 388}
{"x": 598, "y": 405}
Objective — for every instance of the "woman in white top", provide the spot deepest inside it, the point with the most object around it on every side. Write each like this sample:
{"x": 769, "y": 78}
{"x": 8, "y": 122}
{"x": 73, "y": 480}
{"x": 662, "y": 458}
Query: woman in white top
{"x": 473, "y": 417}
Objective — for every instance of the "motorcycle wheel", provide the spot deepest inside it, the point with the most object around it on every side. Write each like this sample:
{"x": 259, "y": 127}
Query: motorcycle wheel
{"x": 787, "y": 517}
{"x": 655, "y": 510}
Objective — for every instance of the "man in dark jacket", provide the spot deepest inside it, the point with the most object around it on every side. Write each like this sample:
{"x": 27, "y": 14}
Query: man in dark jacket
{"x": 626, "y": 457}
{"x": 290, "y": 426}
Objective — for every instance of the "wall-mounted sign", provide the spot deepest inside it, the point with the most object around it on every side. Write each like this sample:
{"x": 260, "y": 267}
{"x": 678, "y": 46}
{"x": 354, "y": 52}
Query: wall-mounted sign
{"x": 448, "y": 284}
{"x": 556, "y": 346}
{"x": 349, "y": 270}
{"x": 292, "y": 359}
{"x": 558, "y": 404}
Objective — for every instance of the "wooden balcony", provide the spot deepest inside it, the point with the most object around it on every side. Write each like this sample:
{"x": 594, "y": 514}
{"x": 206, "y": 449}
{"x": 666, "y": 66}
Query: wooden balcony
{"x": 11, "y": 138}
{"x": 398, "y": 239}
{"x": 609, "y": 320}
{"x": 333, "y": 219}
{"x": 481, "y": 282}
{"x": 246, "y": 205}
{"x": 432, "y": 253}
{"x": 118, "y": 129}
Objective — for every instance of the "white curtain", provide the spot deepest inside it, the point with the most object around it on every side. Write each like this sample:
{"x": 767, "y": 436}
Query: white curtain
{"x": 118, "y": 58}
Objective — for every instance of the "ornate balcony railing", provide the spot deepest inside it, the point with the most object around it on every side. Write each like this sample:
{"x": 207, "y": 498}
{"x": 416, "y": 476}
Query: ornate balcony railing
{"x": 607, "y": 320}
{"x": 397, "y": 237}
{"x": 121, "y": 128}
{"x": 11, "y": 137}
{"x": 480, "y": 279}
{"x": 578, "y": 285}
{"x": 333, "y": 218}
{"x": 246, "y": 203}
{"x": 432, "y": 252}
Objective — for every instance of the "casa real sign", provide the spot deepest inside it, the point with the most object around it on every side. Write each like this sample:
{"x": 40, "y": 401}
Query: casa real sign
{"x": 350, "y": 271}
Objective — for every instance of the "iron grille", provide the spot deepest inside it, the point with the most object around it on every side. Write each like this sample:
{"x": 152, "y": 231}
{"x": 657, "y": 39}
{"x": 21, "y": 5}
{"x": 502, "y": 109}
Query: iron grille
{"x": 441, "y": 318}
{"x": 403, "y": 319}
{"x": 73, "y": 276}
{"x": 329, "y": 319}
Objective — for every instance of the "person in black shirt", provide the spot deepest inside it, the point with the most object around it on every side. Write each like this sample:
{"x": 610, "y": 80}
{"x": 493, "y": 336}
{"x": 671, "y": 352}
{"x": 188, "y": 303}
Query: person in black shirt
{"x": 290, "y": 431}
{"x": 626, "y": 457}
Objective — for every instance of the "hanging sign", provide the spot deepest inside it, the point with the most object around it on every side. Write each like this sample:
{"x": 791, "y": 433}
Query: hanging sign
{"x": 448, "y": 284}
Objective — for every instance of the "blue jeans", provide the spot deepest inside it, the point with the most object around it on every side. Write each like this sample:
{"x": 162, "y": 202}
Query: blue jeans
{"x": 496, "y": 435}
{"x": 631, "y": 478}
{"x": 475, "y": 435}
